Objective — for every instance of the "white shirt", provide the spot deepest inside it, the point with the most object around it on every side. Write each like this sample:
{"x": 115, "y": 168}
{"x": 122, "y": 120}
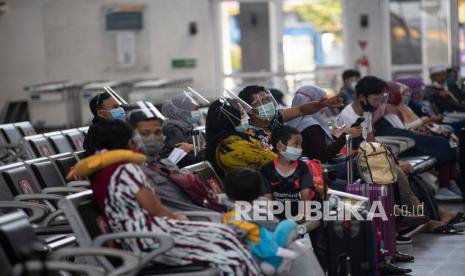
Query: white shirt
{"x": 348, "y": 117}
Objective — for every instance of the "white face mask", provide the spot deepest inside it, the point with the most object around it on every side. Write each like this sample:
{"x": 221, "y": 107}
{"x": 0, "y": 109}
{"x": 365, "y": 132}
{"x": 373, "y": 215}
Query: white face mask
{"x": 291, "y": 153}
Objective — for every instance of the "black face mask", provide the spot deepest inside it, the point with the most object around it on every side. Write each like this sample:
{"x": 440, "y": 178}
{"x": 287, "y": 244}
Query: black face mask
{"x": 366, "y": 106}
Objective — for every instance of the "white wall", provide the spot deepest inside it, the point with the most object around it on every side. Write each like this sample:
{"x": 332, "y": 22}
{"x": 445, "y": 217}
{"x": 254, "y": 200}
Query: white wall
{"x": 378, "y": 48}
{"x": 52, "y": 40}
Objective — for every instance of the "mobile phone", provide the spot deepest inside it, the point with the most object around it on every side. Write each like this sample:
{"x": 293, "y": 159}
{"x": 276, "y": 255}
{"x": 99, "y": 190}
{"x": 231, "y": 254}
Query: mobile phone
{"x": 358, "y": 122}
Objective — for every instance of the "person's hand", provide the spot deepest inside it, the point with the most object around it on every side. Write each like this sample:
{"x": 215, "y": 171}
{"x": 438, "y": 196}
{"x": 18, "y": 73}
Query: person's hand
{"x": 354, "y": 131}
{"x": 185, "y": 147}
{"x": 406, "y": 167}
{"x": 444, "y": 94}
{"x": 436, "y": 118}
{"x": 335, "y": 102}
{"x": 426, "y": 120}
{"x": 181, "y": 217}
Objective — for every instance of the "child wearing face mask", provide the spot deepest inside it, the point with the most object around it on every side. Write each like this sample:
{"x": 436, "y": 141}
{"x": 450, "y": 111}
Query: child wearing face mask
{"x": 287, "y": 179}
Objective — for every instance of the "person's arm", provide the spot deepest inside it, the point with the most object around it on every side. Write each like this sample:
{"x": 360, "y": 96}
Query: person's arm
{"x": 174, "y": 135}
{"x": 314, "y": 144}
{"x": 150, "y": 201}
{"x": 371, "y": 137}
{"x": 310, "y": 108}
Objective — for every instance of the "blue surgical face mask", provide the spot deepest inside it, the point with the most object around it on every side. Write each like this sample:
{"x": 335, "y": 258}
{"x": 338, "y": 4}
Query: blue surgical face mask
{"x": 353, "y": 84}
{"x": 292, "y": 153}
{"x": 195, "y": 117}
{"x": 243, "y": 126}
{"x": 118, "y": 113}
{"x": 266, "y": 112}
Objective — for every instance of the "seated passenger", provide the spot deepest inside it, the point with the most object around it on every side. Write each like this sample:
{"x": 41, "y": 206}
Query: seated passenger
{"x": 227, "y": 147}
{"x": 103, "y": 107}
{"x": 150, "y": 139}
{"x": 391, "y": 123}
{"x": 350, "y": 78}
{"x": 265, "y": 115}
{"x": 268, "y": 245}
{"x": 287, "y": 179}
{"x": 130, "y": 201}
{"x": 318, "y": 140}
{"x": 453, "y": 85}
{"x": 438, "y": 93}
{"x": 423, "y": 108}
{"x": 182, "y": 115}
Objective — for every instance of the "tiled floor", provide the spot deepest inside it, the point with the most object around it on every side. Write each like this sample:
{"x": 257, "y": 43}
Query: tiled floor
{"x": 438, "y": 254}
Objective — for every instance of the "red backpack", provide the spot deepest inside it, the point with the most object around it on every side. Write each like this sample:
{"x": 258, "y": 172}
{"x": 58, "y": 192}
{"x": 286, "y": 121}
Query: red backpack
{"x": 314, "y": 166}
{"x": 193, "y": 185}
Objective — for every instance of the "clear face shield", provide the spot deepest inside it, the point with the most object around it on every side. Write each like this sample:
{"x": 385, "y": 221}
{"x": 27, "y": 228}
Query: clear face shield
{"x": 187, "y": 104}
{"x": 232, "y": 100}
{"x": 117, "y": 113}
{"x": 265, "y": 106}
{"x": 147, "y": 121}
{"x": 405, "y": 93}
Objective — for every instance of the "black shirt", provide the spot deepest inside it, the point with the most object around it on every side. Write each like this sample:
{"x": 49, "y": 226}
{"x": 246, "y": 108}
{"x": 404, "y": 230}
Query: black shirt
{"x": 88, "y": 143}
{"x": 287, "y": 188}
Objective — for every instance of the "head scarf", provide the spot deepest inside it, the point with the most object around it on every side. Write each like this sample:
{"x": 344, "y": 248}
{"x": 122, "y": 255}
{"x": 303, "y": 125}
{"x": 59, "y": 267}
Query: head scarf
{"x": 178, "y": 110}
{"x": 306, "y": 94}
{"x": 416, "y": 87}
{"x": 392, "y": 105}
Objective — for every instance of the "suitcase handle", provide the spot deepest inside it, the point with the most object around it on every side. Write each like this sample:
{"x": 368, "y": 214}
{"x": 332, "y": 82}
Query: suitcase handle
{"x": 350, "y": 178}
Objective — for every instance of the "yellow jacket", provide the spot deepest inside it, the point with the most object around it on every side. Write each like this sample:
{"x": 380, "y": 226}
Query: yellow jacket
{"x": 235, "y": 152}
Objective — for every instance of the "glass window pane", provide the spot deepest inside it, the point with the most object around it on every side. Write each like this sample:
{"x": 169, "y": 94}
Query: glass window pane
{"x": 405, "y": 20}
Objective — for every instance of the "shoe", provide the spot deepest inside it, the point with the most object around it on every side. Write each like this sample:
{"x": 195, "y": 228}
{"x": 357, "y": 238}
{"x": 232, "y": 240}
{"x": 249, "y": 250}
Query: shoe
{"x": 404, "y": 258}
{"x": 444, "y": 194}
{"x": 403, "y": 240}
{"x": 455, "y": 188}
{"x": 395, "y": 270}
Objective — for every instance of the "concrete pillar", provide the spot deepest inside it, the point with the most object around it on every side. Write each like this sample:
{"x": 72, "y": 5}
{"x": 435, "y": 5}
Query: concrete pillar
{"x": 255, "y": 36}
{"x": 367, "y": 20}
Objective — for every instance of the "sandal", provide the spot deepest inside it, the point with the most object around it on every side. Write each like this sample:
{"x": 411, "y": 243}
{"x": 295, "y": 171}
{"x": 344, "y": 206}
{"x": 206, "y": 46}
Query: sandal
{"x": 459, "y": 218}
{"x": 447, "y": 229}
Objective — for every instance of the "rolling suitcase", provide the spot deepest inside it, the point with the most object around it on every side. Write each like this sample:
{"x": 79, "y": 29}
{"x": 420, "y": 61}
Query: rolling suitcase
{"x": 385, "y": 195}
{"x": 352, "y": 248}
{"x": 353, "y": 245}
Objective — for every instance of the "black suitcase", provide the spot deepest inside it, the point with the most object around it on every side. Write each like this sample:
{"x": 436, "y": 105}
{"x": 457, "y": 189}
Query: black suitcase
{"x": 352, "y": 248}
{"x": 352, "y": 244}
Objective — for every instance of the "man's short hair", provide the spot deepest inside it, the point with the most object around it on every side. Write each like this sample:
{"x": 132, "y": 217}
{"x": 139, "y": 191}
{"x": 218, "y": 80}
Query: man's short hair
{"x": 370, "y": 85}
{"x": 349, "y": 73}
{"x": 96, "y": 102}
{"x": 247, "y": 93}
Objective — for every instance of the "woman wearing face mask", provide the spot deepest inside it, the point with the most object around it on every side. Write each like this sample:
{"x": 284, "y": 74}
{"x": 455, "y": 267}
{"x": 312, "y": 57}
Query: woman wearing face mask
{"x": 319, "y": 142}
{"x": 131, "y": 202}
{"x": 182, "y": 116}
{"x": 227, "y": 147}
{"x": 390, "y": 122}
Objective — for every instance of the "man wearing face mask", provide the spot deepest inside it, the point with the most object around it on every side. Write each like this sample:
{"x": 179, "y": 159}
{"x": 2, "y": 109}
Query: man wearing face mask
{"x": 438, "y": 94}
{"x": 104, "y": 107}
{"x": 150, "y": 138}
{"x": 371, "y": 94}
{"x": 265, "y": 115}
{"x": 350, "y": 78}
